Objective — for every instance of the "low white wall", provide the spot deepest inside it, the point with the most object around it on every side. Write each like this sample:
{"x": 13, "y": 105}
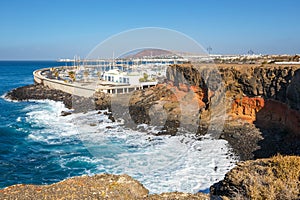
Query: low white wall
{"x": 60, "y": 85}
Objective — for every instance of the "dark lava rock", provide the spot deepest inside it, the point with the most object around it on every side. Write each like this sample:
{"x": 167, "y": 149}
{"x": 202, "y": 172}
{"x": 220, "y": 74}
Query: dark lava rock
{"x": 65, "y": 113}
{"x": 39, "y": 92}
{"x": 79, "y": 104}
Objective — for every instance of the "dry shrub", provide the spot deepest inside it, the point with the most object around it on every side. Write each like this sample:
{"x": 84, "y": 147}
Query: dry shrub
{"x": 274, "y": 178}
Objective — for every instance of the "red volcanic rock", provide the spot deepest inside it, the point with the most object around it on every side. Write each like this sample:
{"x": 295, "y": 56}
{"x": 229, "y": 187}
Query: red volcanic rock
{"x": 277, "y": 113}
{"x": 267, "y": 113}
{"x": 246, "y": 108}
{"x": 183, "y": 94}
{"x": 183, "y": 87}
{"x": 195, "y": 89}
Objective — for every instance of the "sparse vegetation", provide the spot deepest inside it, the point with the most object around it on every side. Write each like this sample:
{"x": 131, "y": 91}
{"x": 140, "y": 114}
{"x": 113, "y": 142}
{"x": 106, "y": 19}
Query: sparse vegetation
{"x": 277, "y": 178}
{"x": 72, "y": 75}
{"x": 144, "y": 78}
{"x": 274, "y": 178}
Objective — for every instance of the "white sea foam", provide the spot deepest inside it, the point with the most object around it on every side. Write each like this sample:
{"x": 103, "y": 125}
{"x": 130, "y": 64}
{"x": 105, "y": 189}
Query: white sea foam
{"x": 7, "y": 99}
{"x": 3, "y": 96}
{"x": 47, "y": 114}
{"x": 19, "y": 119}
{"x": 161, "y": 163}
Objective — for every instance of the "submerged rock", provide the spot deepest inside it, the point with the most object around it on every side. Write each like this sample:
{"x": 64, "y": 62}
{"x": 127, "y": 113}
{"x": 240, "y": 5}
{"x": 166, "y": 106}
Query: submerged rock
{"x": 65, "y": 113}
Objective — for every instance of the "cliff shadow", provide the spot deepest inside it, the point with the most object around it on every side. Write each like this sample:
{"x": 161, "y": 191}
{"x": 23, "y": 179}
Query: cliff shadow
{"x": 279, "y": 126}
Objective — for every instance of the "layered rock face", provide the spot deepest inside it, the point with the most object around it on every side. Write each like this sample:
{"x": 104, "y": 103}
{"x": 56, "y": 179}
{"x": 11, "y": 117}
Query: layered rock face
{"x": 252, "y": 92}
{"x": 247, "y": 85}
{"x": 265, "y": 95}
{"x": 266, "y": 98}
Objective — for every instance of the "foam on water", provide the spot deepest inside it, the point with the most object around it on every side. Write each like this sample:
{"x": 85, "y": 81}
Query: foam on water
{"x": 3, "y": 96}
{"x": 160, "y": 163}
{"x": 47, "y": 114}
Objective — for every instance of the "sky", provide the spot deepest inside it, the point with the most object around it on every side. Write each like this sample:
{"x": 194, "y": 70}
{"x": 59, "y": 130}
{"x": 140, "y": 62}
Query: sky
{"x": 52, "y": 29}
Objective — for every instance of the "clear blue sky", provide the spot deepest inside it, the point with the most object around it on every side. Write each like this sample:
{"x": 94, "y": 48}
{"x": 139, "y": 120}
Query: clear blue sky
{"x": 49, "y": 29}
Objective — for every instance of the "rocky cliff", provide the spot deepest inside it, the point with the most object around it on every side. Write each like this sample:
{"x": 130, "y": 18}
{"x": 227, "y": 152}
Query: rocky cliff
{"x": 246, "y": 86}
{"x": 260, "y": 104}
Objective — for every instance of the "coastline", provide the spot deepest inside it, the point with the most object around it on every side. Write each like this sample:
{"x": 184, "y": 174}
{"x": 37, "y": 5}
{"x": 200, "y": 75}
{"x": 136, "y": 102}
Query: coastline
{"x": 249, "y": 140}
{"x": 245, "y": 129}
{"x": 40, "y": 92}
{"x": 272, "y": 178}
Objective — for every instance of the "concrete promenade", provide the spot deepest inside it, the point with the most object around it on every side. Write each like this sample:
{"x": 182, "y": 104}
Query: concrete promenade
{"x": 85, "y": 89}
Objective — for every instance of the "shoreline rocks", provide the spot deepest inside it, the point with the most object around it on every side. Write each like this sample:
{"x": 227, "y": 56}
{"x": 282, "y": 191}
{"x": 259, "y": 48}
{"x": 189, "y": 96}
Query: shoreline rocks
{"x": 39, "y": 92}
{"x": 255, "y": 126}
{"x": 102, "y": 186}
{"x": 272, "y": 178}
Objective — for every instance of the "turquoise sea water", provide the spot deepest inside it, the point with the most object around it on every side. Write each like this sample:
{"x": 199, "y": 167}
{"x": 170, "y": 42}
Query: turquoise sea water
{"x": 23, "y": 160}
{"x": 38, "y": 146}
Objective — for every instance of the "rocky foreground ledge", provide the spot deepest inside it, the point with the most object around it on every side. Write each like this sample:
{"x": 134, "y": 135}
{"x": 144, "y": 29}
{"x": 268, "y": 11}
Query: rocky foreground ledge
{"x": 273, "y": 178}
{"x": 103, "y": 186}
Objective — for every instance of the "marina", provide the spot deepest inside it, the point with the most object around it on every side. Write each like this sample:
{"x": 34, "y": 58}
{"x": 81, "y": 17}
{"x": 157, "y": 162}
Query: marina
{"x": 84, "y": 78}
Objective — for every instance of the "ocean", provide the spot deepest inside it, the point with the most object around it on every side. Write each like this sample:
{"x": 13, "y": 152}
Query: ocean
{"x": 39, "y": 146}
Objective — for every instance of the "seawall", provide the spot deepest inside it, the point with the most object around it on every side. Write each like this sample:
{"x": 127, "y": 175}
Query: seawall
{"x": 61, "y": 85}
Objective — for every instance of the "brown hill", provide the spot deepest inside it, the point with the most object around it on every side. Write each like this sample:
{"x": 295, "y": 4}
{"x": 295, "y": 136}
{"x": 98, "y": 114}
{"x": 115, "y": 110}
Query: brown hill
{"x": 150, "y": 53}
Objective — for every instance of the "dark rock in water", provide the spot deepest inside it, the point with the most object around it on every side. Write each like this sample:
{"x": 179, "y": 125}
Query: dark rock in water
{"x": 110, "y": 116}
{"x": 65, "y": 113}
{"x": 39, "y": 92}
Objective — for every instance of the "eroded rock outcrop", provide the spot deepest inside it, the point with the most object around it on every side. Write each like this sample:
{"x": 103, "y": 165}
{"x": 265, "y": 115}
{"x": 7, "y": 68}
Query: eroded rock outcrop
{"x": 103, "y": 186}
{"x": 265, "y": 97}
{"x": 272, "y": 178}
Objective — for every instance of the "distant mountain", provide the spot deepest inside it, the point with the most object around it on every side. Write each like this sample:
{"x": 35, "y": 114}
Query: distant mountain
{"x": 150, "y": 53}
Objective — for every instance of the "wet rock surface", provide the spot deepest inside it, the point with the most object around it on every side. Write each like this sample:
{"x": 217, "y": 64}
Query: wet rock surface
{"x": 41, "y": 92}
